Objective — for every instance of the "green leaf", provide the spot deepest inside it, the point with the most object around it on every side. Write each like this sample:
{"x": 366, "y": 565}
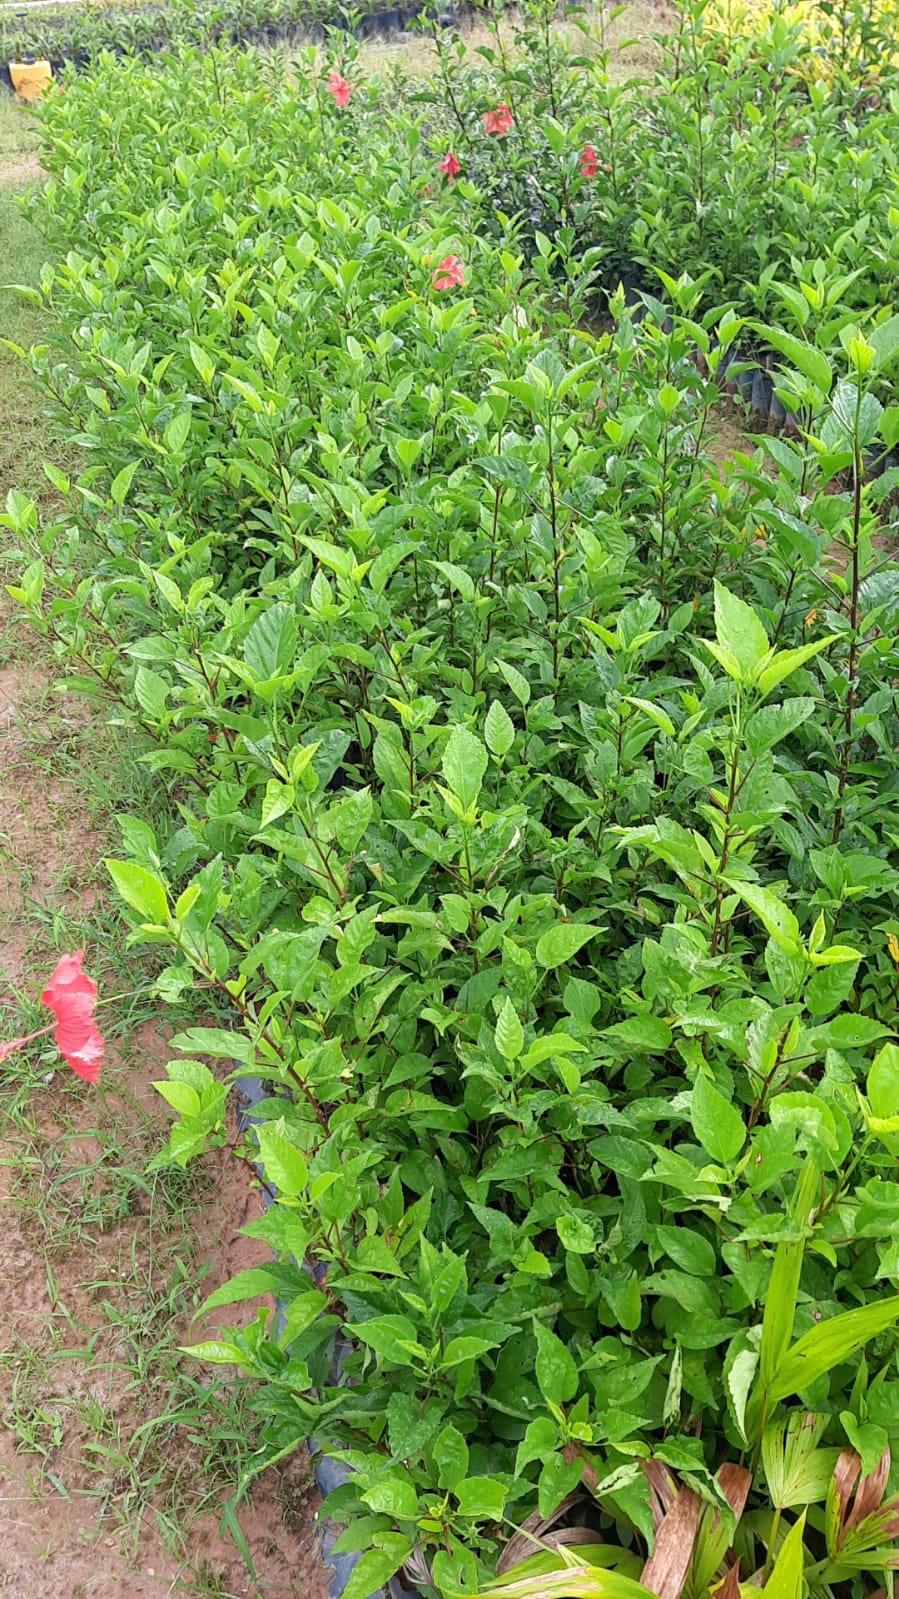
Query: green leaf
{"x": 776, "y": 917}
{"x": 538, "y": 1443}
{"x": 555, "y": 1368}
{"x": 283, "y": 1164}
{"x": 181, "y": 1096}
{"x": 717, "y": 1124}
{"x": 830, "y": 987}
{"x": 121, "y": 483}
{"x": 770, "y": 723}
{"x": 468, "y": 1346}
{"x": 868, "y": 1440}
{"x": 300, "y": 1312}
{"x": 392, "y": 1337}
{"x": 270, "y": 646}
{"x": 385, "y": 564}
{"x": 739, "y": 632}
{"x": 169, "y": 589}
{"x": 740, "y": 1378}
{"x": 215, "y": 1353}
{"x": 622, "y": 1291}
{"x": 392, "y": 1495}
{"x": 688, "y": 1249}
{"x": 552, "y": 1046}
{"x": 151, "y": 692}
{"x": 813, "y": 1120}
{"x": 576, "y": 1235}
{"x": 812, "y": 364}
{"x": 655, "y": 713}
{"x": 277, "y": 800}
{"x": 597, "y": 1583}
{"x": 516, "y": 681}
{"x": 797, "y": 1472}
{"x": 481, "y": 1497}
{"x": 176, "y": 433}
{"x": 884, "y": 339}
{"x": 289, "y": 960}
{"x": 351, "y": 819}
{"x": 883, "y": 1091}
{"x": 450, "y": 1455}
{"x": 457, "y": 577}
{"x": 245, "y": 1285}
{"x": 785, "y": 662}
{"x": 376, "y": 1567}
{"x": 464, "y": 764}
{"x": 645, "y": 1034}
{"x": 508, "y": 1034}
{"x": 562, "y": 942}
{"x": 828, "y": 1345}
{"x": 204, "y": 363}
{"x": 499, "y": 729}
{"x": 558, "y": 1478}
{"x": 849, "y": 1031}
{"x": 140, "y": 889}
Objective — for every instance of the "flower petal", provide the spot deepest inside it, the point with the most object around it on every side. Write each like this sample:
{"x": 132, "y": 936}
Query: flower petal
{"x": 71, "y": 995}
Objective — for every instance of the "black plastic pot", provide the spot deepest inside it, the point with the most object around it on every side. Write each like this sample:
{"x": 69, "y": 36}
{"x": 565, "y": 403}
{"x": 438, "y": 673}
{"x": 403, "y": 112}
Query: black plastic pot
{"x": 329, "y": 1474}
{"x": 760, "y": 397}
{"x": 879, "y": 461}
{"x": 5, "y": 79}
{"x": 777, "y": 410}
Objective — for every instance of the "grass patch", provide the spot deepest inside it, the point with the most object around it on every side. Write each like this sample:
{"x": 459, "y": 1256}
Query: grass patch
{"x": 25, "y": 438}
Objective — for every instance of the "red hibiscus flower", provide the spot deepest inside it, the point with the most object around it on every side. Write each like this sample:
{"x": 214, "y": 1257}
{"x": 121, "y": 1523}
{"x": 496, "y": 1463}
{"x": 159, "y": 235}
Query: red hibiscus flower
{"x": 338, "y": 88}
{"x": 587, "y": 162}
{"x": 449, "y": 166}
{"x": 448, "y": 273}
{"x": 71, "y": 995}
{"x": 497, "y": 122}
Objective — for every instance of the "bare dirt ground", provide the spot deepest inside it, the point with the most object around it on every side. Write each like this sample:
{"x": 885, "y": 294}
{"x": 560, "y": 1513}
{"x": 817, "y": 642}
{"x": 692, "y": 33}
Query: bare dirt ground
{"x": 100, "y": 1494}
{"x": 116, "y": 1452}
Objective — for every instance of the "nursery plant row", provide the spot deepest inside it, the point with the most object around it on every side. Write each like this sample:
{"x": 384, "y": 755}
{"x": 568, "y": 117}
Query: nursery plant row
{"x": 75, "y": 35}
{"x": 533, "y": 770}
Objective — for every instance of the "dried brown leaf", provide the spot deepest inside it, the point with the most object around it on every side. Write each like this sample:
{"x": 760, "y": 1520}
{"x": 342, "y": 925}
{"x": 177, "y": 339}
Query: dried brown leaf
{"x": 869, "y": 1492}
{"x": 845, "y": 1476}
{"x": 669, "y": 1563}
{"x": 662, "y": 1490}
{"x": 735, "y": 1483}
{"x": 729, "y": 1587}
{"x": 538, "y": 1527}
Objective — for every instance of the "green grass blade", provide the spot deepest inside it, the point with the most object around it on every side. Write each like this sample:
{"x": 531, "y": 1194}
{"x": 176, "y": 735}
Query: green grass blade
{"x": 825, "y": 1346}
{"x": 780, "y": 1302}
{"x": 785, "y": 1581}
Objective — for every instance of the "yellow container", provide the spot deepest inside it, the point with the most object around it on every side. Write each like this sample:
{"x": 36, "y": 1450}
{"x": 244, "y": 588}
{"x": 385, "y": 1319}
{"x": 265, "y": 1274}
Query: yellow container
{"x": 30, "y": 78}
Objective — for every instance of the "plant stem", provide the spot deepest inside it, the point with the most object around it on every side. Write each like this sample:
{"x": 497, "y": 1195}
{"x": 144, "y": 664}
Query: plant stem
{"x": 852, "y": 668}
